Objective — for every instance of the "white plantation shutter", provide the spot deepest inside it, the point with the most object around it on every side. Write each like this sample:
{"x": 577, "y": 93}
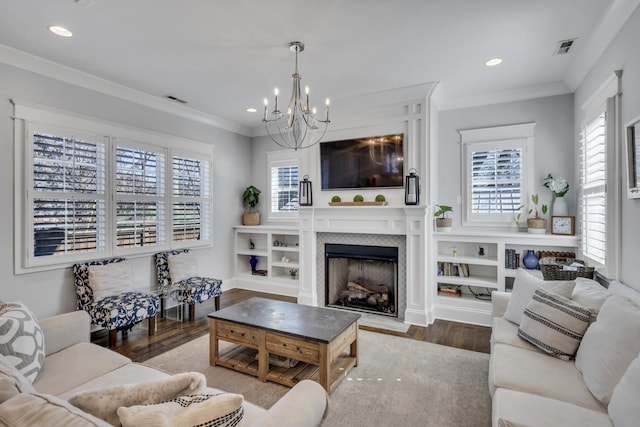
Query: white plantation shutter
{"x": 68, "y": 199}
{"x": 284, "y": 188}
{"x": 496, "y": 179}
{"x": 191, "y": 195}
{"x": 593, "y": 190}
{"x": 140, "y": 196}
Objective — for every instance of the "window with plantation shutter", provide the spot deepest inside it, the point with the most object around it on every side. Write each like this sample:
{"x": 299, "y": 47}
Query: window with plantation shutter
{"x": 593, "y": 190}
{"x": 284, "y": 188}
{"x": 68, "y": 208}
{"x": 139, "y": 196}
{"x": 496, "y": 173}
{"x": 191, "y": 198}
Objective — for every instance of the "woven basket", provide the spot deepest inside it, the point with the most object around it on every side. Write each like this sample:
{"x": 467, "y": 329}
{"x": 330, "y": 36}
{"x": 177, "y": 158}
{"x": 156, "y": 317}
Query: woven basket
{"x": 556, "y": 272}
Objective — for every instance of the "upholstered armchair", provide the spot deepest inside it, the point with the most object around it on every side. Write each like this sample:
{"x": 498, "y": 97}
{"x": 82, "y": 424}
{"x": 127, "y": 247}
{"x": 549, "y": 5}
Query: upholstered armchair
{"x": 178, "y": 277}
{"x": 105, "y": 290}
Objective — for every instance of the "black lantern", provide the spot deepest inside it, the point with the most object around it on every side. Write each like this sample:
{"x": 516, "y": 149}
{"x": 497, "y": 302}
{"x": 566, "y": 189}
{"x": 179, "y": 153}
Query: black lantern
{"x": 412, "y": 188}
{"x": 305, "y": 194}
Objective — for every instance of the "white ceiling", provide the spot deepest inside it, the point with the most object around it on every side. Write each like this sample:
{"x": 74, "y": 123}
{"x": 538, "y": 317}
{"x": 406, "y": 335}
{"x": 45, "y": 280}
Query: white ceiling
{"x": 225, "y": 56}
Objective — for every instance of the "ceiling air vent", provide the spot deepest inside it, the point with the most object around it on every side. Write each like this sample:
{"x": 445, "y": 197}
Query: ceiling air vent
{"x": 564, "y": 46}
{"x": 176, "y": 99}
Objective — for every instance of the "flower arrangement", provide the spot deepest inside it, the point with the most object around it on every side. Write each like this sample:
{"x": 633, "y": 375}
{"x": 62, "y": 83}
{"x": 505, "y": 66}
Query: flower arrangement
{"x": 558, "y": 186}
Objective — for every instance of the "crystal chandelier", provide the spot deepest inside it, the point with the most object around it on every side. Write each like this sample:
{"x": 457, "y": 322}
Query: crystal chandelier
{"x": 298, "y": 127}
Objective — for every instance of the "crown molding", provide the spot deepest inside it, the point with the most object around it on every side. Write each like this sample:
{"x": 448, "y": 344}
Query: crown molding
{"x": 25, "y": 61}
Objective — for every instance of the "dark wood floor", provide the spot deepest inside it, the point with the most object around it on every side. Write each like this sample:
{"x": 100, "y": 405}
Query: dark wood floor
{"x": 138, "y": 346}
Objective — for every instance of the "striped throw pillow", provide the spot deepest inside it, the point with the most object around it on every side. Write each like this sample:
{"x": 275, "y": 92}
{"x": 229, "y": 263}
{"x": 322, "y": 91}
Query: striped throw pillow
{"x": 554, "y": 324}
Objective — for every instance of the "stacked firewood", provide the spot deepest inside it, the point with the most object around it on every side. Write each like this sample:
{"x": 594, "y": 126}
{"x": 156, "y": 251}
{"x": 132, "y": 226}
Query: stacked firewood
{"x": 373, "y": 294}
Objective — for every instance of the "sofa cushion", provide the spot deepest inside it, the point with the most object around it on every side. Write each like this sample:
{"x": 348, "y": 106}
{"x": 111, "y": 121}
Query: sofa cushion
{"x": 104, "y": 402}
{"x": 35, "y": 409}
{"x": 76, "y": 365}
{"x": 609, "y": 346}
{"x": 109, "y": 280}
{"x": 505, "y": 332}
{"x": 182, "y": 266}
{"x": 524, "y": 285}
{"x": 524, "y": 409}
{"x": 537, "y": 373}
{"x": 554, "y": 324}
{"x": 12, "y": 382}
{"x": 21, "y": 339}
{"x": 188, "y": 411}
{"x": 589, "y": 293}
{"x": 624, "y": 410}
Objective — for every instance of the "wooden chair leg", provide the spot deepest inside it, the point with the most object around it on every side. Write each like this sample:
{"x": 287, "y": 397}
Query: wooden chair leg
{"x": 217, "y": 302}
{"x": 113, "y": 334}
{"x": 153, "y": 321}
{"x": 192, "y": 311}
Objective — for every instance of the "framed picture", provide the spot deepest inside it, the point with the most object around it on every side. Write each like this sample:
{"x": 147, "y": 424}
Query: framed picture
{"x": 565, "y": 225}
{"x": 633, "y": 159}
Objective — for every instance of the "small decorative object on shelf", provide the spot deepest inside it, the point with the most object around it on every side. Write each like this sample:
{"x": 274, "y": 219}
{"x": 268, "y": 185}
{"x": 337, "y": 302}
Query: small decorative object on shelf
{"x": 305, "y": 192}
{"x": 253, "y": 261}
{"x": 443, "y": 223}
{"x": 482, "y": 251}
{"x": 358, "y": 198}
{"x": 380, "y": 198}
{"x": 536, "y": 224}
{"x": 412, "y": 188}
{"x": 559, "y": 187}
{"x": 336, "y": 199}
{"x": 251, "y": 244}
{"x": 294, "y": 273}
{"x": 530, "y": 260}
{"x": 565, "y": 225}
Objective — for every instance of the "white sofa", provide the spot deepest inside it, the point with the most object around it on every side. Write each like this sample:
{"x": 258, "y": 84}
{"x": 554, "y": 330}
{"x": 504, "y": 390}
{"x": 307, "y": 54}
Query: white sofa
{"x": 73, "y": 365}
{"x": 531, "y": 388}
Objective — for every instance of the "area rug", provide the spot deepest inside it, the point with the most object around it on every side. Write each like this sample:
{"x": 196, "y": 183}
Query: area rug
{"x": 398, "y": 382}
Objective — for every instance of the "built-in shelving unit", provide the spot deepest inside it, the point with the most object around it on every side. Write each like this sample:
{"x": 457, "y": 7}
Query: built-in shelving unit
{"x": 277, "y": 251}
{"x": 474, "y": 264}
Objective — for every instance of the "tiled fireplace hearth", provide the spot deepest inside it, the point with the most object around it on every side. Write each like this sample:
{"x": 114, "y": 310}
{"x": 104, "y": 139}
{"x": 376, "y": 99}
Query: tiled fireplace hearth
{"x": 398, "y": 227}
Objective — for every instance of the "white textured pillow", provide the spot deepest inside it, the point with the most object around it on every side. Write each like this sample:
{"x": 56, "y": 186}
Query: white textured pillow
{"x": 609, "y": 346}
{"x": 12, "y": 382}
{"x": 189, "y": 411}
{"x": 624, "y": 410}
{"x": 589, "y": 293}
{"x": 109, "y": 280}
{"x": 21, "y": 339}
{"x": 524, "y": 286}
{"x": 182, "y": 266}
{"x": 554, "y": 324}
{"x": 619, "y": 288}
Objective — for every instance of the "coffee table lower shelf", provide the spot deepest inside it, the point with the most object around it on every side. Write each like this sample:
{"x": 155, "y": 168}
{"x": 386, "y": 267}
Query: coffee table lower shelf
{"x": 243, "y": 359}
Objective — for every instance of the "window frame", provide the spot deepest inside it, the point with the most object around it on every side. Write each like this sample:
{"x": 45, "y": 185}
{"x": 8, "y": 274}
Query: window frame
{"x": 281, "y": 159}
{"x": 26, "y": 116}
{"x": 501, "y": 137}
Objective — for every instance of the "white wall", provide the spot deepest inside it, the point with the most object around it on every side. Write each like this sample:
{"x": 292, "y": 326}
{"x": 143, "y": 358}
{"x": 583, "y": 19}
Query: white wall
{"x": 622, "y": 53}
{"x": 553, "y": 146}
{"x": 52, "y": 292}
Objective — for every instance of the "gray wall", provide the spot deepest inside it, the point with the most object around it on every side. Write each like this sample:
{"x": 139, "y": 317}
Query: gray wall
{"x": 52, "y": 292}
{"x": 553, "y": 146}
{"x": 622, "y": 53}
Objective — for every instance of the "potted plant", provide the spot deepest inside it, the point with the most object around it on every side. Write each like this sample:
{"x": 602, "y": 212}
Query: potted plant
{"x": 536, "y": 224}
{"x": 250, "y": 199}
{"x": 443, "y": 223}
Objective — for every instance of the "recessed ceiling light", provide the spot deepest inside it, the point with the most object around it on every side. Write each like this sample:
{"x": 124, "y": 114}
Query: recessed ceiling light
{"x": 60, "y": 31}
{"x": 251, "y": 110}
{"x": 493, "y": 62}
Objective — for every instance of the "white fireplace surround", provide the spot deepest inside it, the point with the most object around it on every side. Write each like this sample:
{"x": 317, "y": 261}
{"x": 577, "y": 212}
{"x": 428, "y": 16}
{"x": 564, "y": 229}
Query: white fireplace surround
{"x": 407, "y": 221}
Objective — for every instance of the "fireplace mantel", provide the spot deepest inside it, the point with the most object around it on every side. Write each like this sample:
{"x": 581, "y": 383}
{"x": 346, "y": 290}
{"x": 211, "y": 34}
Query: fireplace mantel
{"x": 409, "y": 221}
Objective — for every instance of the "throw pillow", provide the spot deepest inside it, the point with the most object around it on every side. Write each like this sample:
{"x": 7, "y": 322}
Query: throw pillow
{"x": 104, "y": 402}
{"x": 589, "y": 293}
{"x": 182, "y": 266}
{"x": 37, "y": 409}
{"x": 609, "y": 346}
{"x": 524, "y": 285}
{"x": 554, "y": 324}
{"x": 111, "y": 279}
{"x": 21, "y": 339}
{"x": 624, "y": 410}
{"x": 211, "y": 410}
{"x": 12, "y": 382}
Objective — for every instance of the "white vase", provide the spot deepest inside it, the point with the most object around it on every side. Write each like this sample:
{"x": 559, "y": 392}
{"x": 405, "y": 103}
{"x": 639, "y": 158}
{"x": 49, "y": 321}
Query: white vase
{"x": 560, "y": 207}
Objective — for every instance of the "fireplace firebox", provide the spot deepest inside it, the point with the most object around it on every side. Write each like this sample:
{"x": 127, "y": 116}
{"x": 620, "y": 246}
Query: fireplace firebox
{"x": 362, "y": 278}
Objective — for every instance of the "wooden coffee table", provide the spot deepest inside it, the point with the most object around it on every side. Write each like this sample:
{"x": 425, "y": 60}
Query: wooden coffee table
{"x": 315, "y": 336}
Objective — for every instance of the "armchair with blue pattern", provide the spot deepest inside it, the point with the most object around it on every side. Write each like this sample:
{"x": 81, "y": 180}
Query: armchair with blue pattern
{"x": 115, "y": 313}
{"x": 188, "y": 291}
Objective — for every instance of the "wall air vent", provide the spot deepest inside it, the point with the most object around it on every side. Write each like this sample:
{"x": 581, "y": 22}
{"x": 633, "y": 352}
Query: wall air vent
{"x": 564, "y": 46}
{"x": 176, "y": 99}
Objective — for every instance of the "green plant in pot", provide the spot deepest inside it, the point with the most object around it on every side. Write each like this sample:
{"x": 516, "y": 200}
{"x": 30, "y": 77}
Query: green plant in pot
{"x": 535, "y": 223}
{"x": 250, "y": 199}
{"x": 442, "y": 222}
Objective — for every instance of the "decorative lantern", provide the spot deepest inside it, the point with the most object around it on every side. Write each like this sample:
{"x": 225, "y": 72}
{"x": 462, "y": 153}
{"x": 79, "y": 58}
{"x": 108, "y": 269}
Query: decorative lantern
{"x": 305, "y": 194}
{"x": 412, "y": 188}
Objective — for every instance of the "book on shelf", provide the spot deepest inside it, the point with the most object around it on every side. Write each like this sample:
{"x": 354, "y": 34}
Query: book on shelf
{"x": 453, "y": 269}
{"x": 511, "y": 259}
{"x": 449, "y": 290}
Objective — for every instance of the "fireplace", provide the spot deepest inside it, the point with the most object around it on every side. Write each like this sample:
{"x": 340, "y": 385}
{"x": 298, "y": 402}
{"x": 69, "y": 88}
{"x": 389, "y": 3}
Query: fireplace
{"x": 362, "y": 278}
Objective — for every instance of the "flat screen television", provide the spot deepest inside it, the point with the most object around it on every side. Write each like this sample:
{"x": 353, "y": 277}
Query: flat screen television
{"x": 371, "y": 162}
